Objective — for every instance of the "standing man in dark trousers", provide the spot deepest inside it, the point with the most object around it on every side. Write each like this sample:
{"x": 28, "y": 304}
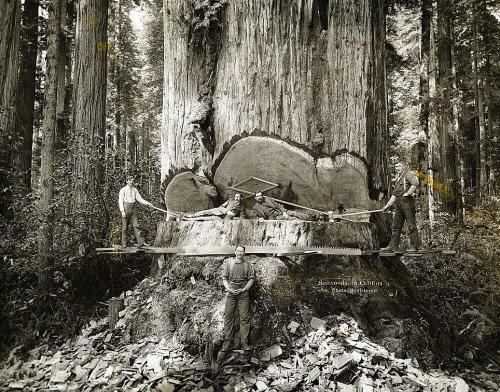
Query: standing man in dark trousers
{"x": 128, "y": 198}
{"x": 405, "y": 185}
{"x": 238, "y": 277}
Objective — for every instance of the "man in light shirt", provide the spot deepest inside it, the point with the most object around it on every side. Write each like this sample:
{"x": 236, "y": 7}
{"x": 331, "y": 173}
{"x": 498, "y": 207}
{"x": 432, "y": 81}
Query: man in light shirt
{"x": 128, "y": 198}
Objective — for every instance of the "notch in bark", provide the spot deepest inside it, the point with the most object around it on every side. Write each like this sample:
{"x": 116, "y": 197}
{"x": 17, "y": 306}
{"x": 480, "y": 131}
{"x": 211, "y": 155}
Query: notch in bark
{"x": 323, "y": 13}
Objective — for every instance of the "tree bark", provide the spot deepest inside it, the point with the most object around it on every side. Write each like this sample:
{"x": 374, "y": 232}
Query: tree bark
{"x": 425, "y": 37}
{"x": 478, "y": 97}
{"x": 49, "y": 130}
{"x": 433, "y": 140}
{"x": 446, "y": 157}
{"x": 89, "y": 102}
{"x": 63, "y": 70}
{"x": 25, "y": 106}
{"x": 459, "y": 186}
{"x": 10, "y": 21}
{"x": 313, "y": 76}
{"x": 132, "y": 149}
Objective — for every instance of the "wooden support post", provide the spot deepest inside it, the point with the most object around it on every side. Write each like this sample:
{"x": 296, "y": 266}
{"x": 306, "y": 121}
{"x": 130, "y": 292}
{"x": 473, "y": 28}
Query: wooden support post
{"x": 114, "y": 308}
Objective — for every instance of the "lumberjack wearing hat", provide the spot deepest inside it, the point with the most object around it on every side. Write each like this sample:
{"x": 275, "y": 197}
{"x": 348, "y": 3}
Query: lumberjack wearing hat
{"x": 237, "y": 278}
{"x": 128, "y": 198}
{"x": 405, "y": 185}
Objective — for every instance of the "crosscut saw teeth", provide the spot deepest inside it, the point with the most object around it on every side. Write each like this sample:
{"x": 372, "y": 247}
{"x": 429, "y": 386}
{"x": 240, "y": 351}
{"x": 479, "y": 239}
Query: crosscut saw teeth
{"x": 229, "y": 250}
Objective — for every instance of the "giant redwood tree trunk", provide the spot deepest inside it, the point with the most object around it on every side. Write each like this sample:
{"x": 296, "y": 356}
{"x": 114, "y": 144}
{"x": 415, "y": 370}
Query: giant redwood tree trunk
{"x": 88, "y": 125}
{"x": 89, "y": 98}
{"x": 289, "y": 91}
{"x": 10, "y": 15}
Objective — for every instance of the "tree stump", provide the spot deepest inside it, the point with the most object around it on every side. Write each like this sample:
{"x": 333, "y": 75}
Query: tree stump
{"x": 114, "y": 308}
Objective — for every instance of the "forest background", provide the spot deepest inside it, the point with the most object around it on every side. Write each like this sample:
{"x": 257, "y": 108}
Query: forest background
{"x": 77, "y": 115}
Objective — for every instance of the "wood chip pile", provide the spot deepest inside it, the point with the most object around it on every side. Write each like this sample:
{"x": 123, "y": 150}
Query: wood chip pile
{"x": 336, "y": 358}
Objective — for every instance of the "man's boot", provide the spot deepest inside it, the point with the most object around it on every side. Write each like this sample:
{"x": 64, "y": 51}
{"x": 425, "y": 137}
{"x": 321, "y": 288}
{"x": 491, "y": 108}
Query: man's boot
{"x": 390, "y": 248}
{"x": 393, "y": 245}
{"x": 226, "y": 347}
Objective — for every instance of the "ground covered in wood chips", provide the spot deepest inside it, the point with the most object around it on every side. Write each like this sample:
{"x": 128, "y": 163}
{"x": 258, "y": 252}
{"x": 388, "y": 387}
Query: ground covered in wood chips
{"x": 330, "y": 354}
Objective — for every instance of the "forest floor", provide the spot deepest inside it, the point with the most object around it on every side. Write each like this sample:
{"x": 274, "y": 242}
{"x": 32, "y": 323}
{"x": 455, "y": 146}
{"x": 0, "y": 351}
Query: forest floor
{"x": 459, "y": 298}
{"x": 331, "y": 354}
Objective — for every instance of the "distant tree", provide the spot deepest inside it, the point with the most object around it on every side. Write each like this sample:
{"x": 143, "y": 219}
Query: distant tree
{"x": 125, "y": 68}
{"x": 25, "y": 106}
{"x": 445, "y": 153}
{"x": 49, "y": 130}
{"x": 10, "y": 21}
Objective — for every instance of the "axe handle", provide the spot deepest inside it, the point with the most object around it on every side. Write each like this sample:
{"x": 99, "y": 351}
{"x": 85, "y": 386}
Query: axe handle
{"x": 165, "y": 211}
{"x": 357, "y": 213}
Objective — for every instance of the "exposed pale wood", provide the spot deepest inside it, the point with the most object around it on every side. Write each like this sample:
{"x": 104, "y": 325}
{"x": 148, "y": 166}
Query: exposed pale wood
{"x": 188, "y": 192}
{"x": 321, "y": 183}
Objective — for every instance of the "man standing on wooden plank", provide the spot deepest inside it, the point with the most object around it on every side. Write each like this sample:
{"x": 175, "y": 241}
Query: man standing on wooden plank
{"x": 405, "y": 185}
{"x": 128, "y": 198}
{"x": 237, "y": 277}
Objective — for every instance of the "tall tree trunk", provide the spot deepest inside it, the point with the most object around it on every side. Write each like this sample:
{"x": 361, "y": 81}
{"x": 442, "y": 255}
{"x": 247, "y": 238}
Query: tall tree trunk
{"x": 25, "y": 106}
{"x": 490, "y": 134}
{"x": 483, "y": 178}
{"x": 132, "y": 148}
{"x": 10, "y": 21}
{"x": 433, "y": 140}
{"x": 89, "y": 109}
{"x": 120, "y": 129}
{"x": 446, "y": 174}
{"x": 459, "y": 186}
{"x": 49, "y": 130}
{"x": 62, "y": 63}
{"x": 425, "y": 28}
{"x": 479, "y": 105}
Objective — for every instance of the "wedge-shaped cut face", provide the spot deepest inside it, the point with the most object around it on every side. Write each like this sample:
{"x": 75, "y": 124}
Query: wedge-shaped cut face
{"x": 322, "y": 183}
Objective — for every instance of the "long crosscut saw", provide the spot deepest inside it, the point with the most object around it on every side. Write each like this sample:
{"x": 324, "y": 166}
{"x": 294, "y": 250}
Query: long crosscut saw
{"x": 229, "y": 250}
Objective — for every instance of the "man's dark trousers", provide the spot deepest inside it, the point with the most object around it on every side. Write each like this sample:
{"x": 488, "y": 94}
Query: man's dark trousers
{"x": 242, "y": 302}
{"x": 130, "y": 217}
{"x": 405, "y": 211}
